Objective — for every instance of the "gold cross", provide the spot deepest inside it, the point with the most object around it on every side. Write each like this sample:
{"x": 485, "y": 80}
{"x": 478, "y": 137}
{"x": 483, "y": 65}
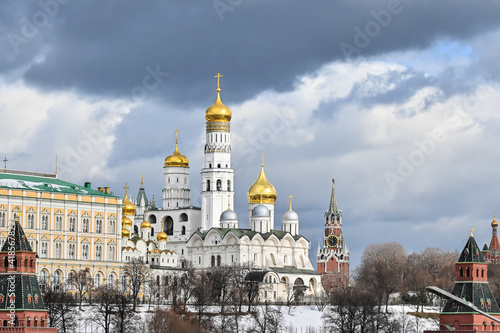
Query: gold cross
{"x": 262, "y": 160}
{"x": 218, "y": 76}
{"x": 290, "y": 202}
{"x": 176, "y": 135}
{"x": 5, "y": 163}
{"x": 126, "y": 189}
{"x": 494, "y": 213}
{"x": 142, "y": 180}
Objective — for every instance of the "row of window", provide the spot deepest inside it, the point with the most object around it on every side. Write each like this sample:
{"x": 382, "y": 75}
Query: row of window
{"x": 219, "y": 185}
{"x": 468, "y": 272}
{"x": 58, "y": 225}
{"x": 177, "y": 180}
{"x": 72, "y": 251}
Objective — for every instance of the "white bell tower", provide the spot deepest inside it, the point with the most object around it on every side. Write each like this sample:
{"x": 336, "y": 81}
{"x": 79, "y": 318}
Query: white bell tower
{"x": 217, "y": 175}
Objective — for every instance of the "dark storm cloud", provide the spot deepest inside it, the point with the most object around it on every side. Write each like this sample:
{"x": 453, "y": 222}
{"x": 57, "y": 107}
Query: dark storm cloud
{"x": 104, "y": 48}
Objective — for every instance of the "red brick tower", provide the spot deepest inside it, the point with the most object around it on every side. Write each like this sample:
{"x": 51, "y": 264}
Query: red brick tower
{"x": 21, "y": 303}
{"x": 333, "y": 254}
{"x": 471, "y": 284}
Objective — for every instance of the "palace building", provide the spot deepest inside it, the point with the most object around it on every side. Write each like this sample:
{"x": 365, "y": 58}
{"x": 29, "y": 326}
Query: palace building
{"x": 71, "y": 227}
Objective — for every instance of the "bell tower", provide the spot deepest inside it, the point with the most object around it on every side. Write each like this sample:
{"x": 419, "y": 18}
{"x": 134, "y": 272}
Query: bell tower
{"x": 333, "y": 254}
{"x": 217, "y": 175}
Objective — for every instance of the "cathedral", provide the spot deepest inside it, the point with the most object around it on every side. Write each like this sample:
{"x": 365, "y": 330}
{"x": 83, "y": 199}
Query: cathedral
{"x": 212, "y": 235}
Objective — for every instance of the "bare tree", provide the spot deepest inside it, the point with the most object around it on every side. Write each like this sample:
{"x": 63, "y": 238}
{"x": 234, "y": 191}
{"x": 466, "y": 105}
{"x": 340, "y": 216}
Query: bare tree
{"x": 61, "y": 306}
{"x": 123, "y": 319}
{"x": 381, "y": 270}
{"x": 201, "y": 297}
{"x": 137, "y": 273}
{"x": 266, "y": 319}
{"x": 104, "y": 307}
{"x": 355, "y": 311}
{"x": 163, "y": 321}
{"x": 81, "y": 282}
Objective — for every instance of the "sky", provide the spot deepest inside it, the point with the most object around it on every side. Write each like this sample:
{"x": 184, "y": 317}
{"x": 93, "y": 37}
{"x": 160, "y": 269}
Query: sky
{"x": 396, "y": 100}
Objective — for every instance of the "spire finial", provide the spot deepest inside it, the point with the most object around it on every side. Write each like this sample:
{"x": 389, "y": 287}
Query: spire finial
{"x": 218, "y": 76}
{"x": 176, "y": 136}
{"x": 290, "y": 202}
{"x": 471, "y": 232}
{"x": 142, "y": 179}
{"x": 262, "y": 160}
{"x": 56, "y": 164}
{"x": 228, "y": 202}
{"x": 5, "y": 163}
{"x": 126, "y": 188}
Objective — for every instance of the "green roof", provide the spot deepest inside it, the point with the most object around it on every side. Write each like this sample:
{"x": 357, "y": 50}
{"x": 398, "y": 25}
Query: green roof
{"x": 34, "y": 182}
{"x": 471, "y": 252}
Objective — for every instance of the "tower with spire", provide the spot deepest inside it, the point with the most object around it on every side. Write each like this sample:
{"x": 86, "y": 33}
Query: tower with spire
{"x": 333, "y": 254}
{"x": 142, "y": 201}
{"x": 21, "y": 302}
{"x": 217, "y": 175}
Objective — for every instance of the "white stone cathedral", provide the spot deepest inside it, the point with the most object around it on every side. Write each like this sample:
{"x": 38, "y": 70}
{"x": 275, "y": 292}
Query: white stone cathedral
{"x": 211, "y": 236}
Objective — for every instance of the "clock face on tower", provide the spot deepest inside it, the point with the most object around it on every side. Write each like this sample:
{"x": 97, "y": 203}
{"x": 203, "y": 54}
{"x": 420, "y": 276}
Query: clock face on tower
{"x": 332, "y": 241}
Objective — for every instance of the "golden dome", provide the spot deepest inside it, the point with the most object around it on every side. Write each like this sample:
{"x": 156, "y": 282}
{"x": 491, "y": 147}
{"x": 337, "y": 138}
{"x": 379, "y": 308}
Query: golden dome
{"x": 162, "y": 236}
{"x": 145, "y": 224}
{"x": 177, "y": 159}
{"x": 262, "y": 191}
{"x": 125, "y": 232}
{"x": 128, "y": 206}
{"x": 126, "y": 222}
{"x": 218, "y": 111}
{"x": 494, "y": 223}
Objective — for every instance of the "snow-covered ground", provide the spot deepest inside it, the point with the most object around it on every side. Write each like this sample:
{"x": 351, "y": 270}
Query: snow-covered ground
{"x": 301, "y": 319}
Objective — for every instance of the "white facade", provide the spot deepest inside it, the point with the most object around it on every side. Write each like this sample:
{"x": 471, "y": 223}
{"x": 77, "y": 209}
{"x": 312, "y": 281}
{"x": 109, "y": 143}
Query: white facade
{"x": 216, "y": 176}
{"x": 211, "y": 236}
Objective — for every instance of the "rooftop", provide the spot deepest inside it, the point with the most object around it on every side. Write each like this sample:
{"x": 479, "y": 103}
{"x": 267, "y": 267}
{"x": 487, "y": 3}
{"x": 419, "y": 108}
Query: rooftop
{"x": 22, "y": 180}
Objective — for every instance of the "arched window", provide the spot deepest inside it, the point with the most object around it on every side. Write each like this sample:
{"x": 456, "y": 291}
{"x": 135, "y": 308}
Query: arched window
{"x": 98, "y": 280}
{"x": 482, "y": 272}
{"x": 218, "y": 165}
{"x": 208, "y": 185}
{"x": 213, "y": 261}
{"x": 169, "y": 225}
{"x": 477, "y": 272}
{"x": 219, "y": 185}
{"x": 183, "y": 231}
{"x": 467, "y": 271}
{"x": 228, "y": 185}
{"x": 461, "y": 272}
{"x": 219, "y": 260}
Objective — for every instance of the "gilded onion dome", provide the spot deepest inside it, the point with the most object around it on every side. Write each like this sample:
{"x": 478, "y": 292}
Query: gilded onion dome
{"x": 125, "y": 232}
{"x": 177, "y": 159}
{"x": 262, "y": 191}
{"x": 162, "y": 236}
{"x": 146, "y": 224}
{"x": 218, "y": 111}
{"x": 126, "y": 222}
{"x": 128, "y": 206}
{"x": 494, "y": 223}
